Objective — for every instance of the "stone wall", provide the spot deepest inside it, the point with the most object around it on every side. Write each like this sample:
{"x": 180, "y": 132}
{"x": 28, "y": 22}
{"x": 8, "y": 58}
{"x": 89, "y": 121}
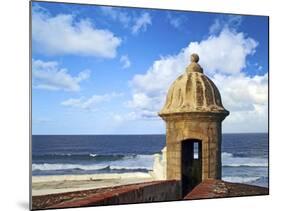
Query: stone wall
{"x": 156, "y": 191}
{"x": 205, "y": 128}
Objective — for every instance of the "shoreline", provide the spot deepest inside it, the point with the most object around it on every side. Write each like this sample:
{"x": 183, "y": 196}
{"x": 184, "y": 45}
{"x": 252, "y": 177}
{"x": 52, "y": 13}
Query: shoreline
{"x": 45, "y": 185}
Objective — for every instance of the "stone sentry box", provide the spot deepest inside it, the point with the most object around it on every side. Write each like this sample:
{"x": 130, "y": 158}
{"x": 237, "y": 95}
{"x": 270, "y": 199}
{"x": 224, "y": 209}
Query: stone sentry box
{"x": 193, "y": 113}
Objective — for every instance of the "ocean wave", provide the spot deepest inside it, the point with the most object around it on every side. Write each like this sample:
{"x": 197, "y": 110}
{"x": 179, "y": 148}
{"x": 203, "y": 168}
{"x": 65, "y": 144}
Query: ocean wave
{"x": 85, "y": 157}
{"x": 129, "y": 168}
{"x": 248, "y": 165}
{"x": 128, "y": 162}
{"x": 137, "y": 162}
{"x": 93, "y": 155}
{"x": 237, "y": 179}
{"x": 229, "y": 160}
{"x": 60, "y": 166}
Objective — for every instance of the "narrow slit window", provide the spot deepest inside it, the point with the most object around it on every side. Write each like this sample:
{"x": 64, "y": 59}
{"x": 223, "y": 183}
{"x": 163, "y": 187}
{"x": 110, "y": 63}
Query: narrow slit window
{"x": 195, "y": 150}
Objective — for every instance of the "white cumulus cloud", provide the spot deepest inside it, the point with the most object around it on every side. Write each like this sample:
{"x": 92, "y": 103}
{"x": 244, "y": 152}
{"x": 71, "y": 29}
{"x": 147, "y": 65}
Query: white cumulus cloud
{"x": 231, "y": 22}
{"x": 125, "y": 61}
{"x": 48, "y": 75}
{"x": 62, "y": 34}
{"x": 223, "y": 58}
{"x": 176, "y": 20}
{"x": 141, "y": 23}
{"x": 117, "y": 14}
{"x": 243, "y": 92}
{"x": 89, "y": 103}
{"x": 136, "y": 22}
{"x": 247, "y": 100}
{"x": 225, "y": 53}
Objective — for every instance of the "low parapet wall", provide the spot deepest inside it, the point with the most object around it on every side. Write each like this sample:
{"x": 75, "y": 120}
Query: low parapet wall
{"x": 167, "y": 190}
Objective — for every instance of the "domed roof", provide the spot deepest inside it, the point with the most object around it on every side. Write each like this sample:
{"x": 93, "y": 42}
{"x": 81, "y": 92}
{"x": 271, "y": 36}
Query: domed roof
{"x": 193, "y": 92}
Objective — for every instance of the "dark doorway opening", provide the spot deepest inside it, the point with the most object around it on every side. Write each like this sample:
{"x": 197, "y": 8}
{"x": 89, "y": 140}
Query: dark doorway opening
{"x": 191, "y": 164}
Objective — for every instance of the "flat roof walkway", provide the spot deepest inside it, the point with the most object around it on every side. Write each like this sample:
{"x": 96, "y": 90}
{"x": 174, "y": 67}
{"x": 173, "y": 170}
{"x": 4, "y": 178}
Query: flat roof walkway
{"x": 218, "y": 189}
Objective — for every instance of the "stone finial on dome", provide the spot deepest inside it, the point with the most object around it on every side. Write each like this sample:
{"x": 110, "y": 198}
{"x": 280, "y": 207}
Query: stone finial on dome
{"x": 193, "y": 92}
{"x": 193, "y": 113}
{"x": 194, "y": 58}
{"x": 194, "y": 66}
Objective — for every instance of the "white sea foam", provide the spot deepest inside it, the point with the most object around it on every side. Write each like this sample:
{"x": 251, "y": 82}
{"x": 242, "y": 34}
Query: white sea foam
{"x": 60, "y": 166}
{"x": 127, "y": 163}
{"x": 129, "y": 168}
{"x": 136, "y": 162}
{"x": 146, "y": 162}
{"x": 229, "y": 160}
{"x": 240, "y": 179}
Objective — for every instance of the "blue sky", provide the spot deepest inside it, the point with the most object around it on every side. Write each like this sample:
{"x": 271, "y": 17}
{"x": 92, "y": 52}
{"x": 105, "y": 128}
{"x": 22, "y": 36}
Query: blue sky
{"x": 106, "y": 70}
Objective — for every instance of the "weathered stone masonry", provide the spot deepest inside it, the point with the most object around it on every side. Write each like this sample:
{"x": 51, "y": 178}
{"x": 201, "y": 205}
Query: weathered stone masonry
{"x": 193, "y": 113}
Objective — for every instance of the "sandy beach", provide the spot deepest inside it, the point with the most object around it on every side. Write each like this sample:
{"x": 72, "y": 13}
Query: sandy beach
{"x": 43, "y": 185}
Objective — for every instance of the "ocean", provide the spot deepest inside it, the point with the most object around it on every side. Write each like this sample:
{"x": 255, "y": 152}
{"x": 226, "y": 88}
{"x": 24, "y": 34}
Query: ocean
{"x": 244, "y": 156}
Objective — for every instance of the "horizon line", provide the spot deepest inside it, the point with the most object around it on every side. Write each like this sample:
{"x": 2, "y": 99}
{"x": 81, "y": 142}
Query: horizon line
{"x": 133, "y": 134}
